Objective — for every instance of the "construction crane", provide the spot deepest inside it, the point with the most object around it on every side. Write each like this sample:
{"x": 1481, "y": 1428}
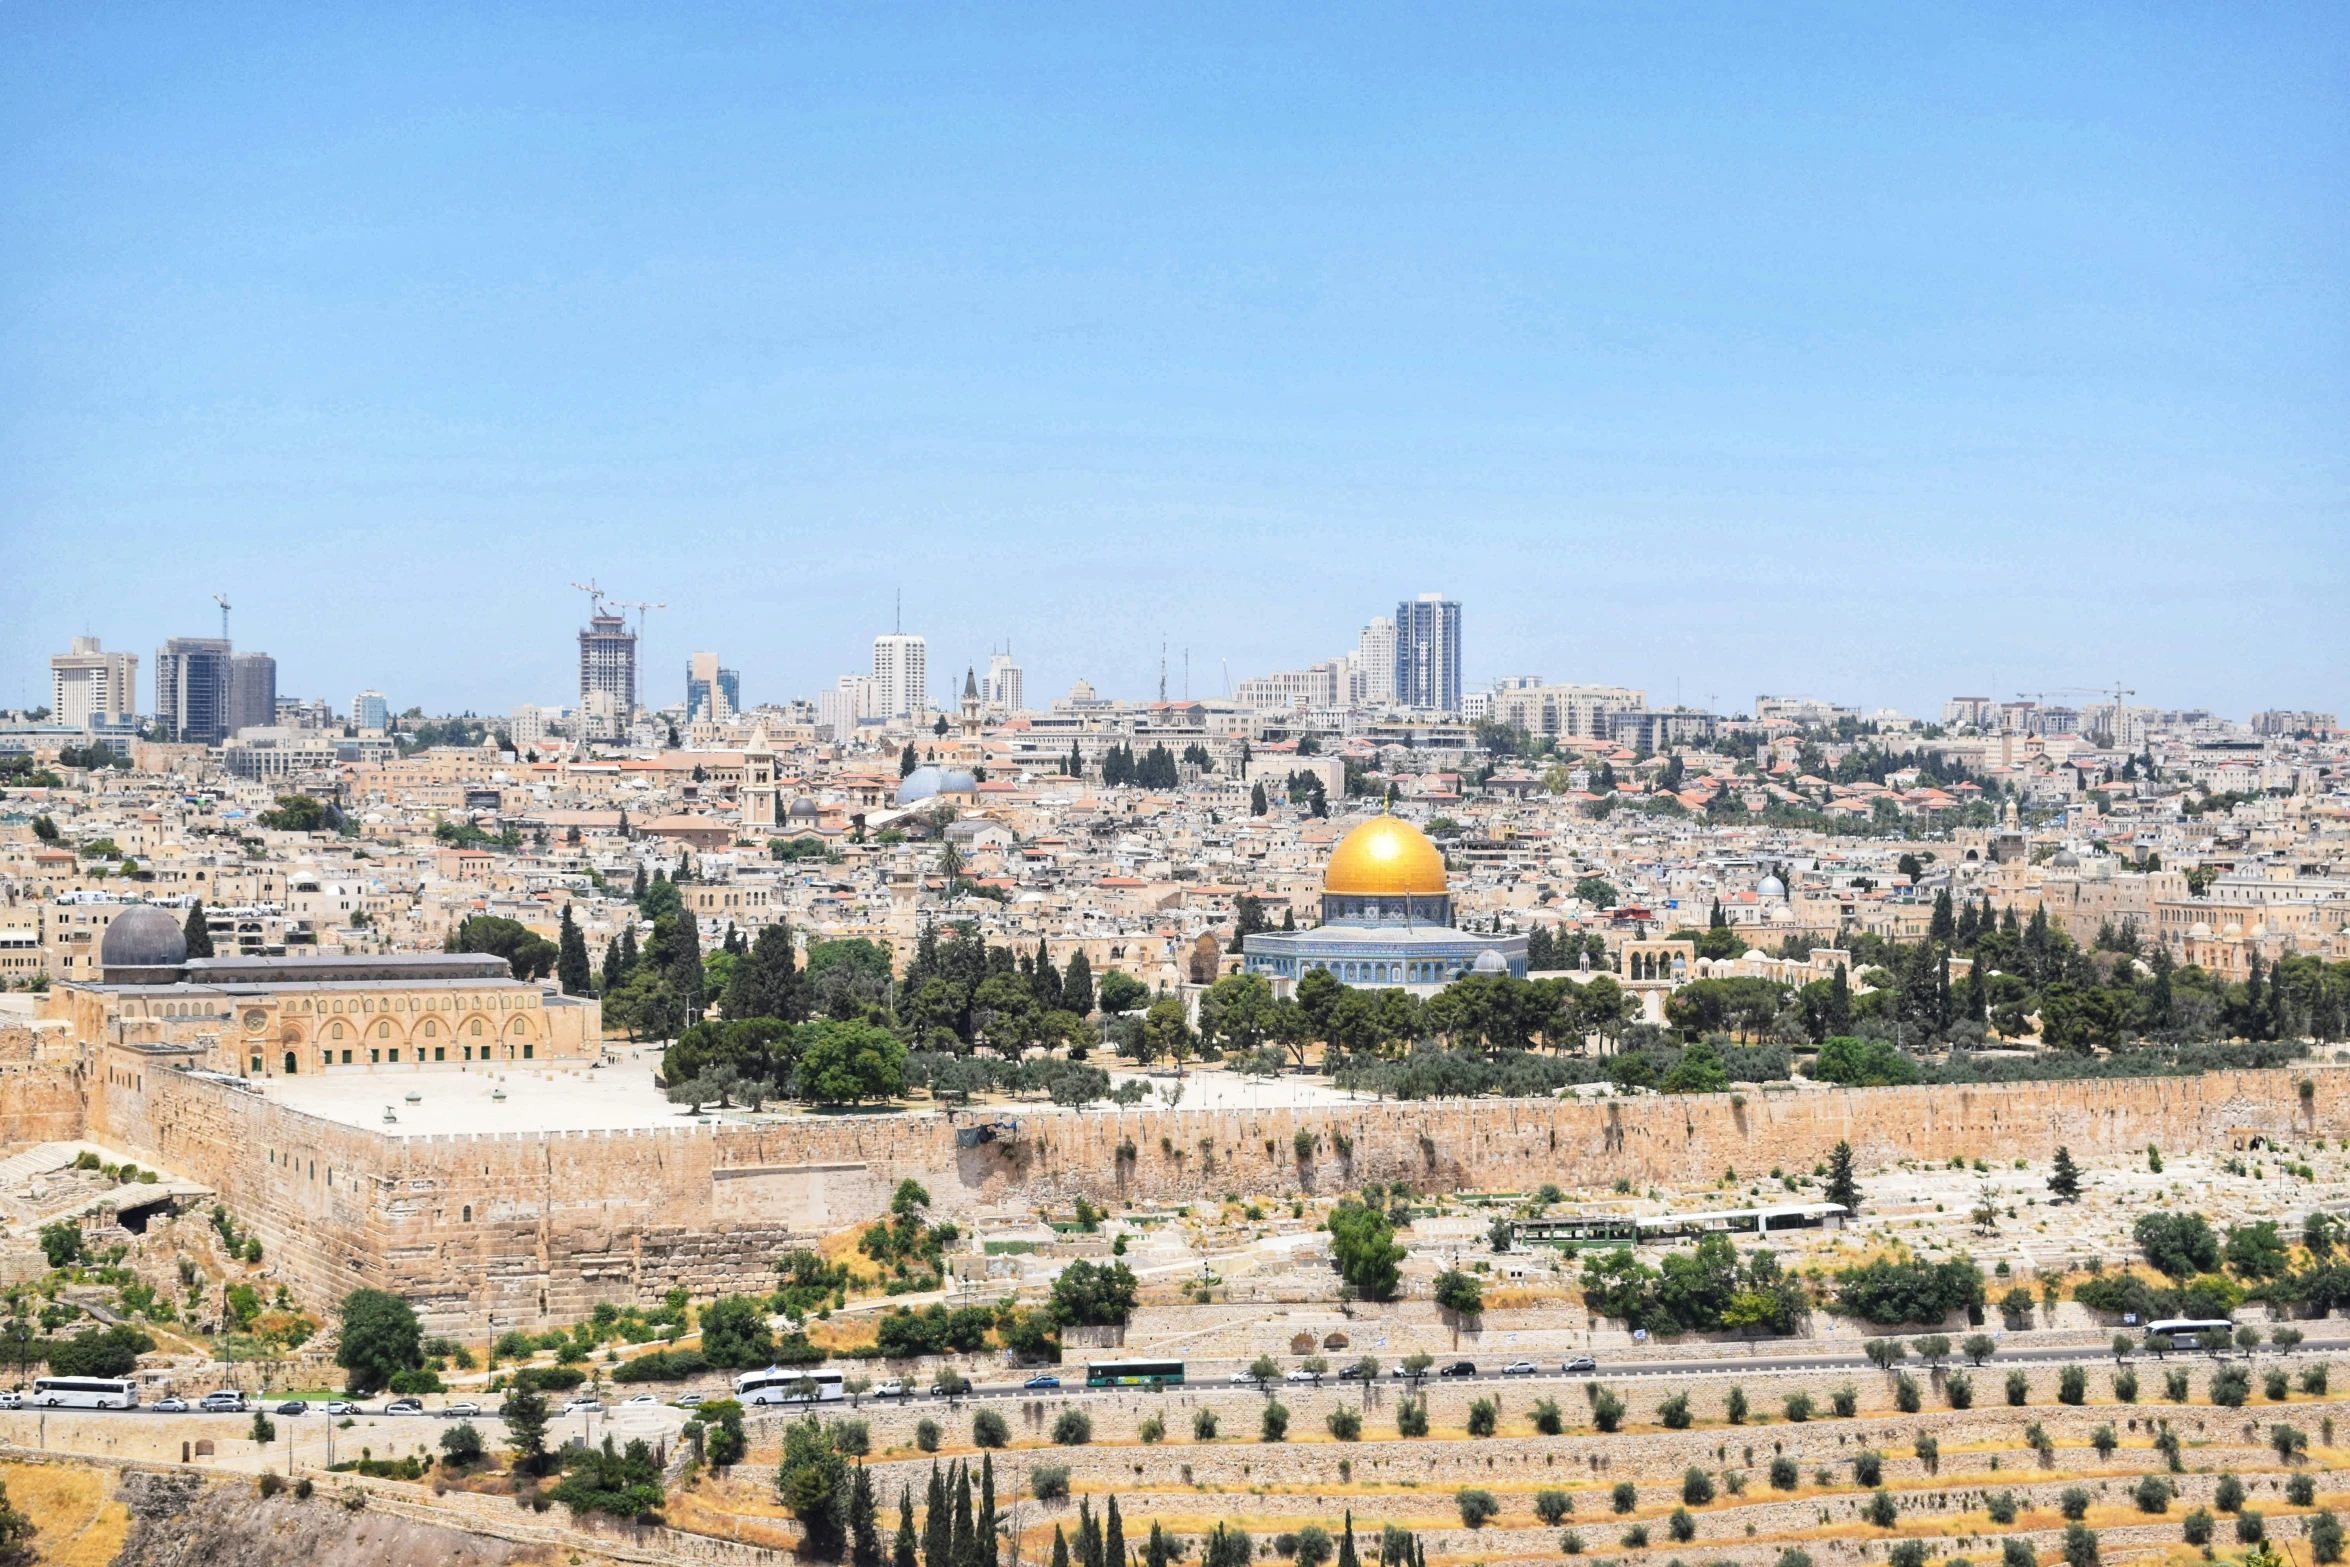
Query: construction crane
{"x": 222, "y": 600}
{"x": 640, "y": 606}
{"x": 594, "y": 593}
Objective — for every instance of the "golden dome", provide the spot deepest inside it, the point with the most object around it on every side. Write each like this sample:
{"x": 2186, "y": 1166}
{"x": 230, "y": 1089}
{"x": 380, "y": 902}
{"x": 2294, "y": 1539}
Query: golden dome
{"x": 1385, "y": 857}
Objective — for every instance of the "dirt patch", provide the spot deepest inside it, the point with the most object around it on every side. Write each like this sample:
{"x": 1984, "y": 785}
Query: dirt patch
{"x": 182, "y": 1520}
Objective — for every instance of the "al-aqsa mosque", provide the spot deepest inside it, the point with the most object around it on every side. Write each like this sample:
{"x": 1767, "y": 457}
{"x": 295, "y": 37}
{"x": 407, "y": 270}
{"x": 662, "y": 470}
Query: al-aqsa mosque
{"x": 1386, "y": 921}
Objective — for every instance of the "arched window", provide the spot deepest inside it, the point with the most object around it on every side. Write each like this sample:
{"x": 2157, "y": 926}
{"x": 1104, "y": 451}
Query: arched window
{"x": 289, "y": 1063}
{"x": 477, "y": 1025}
{"x": 335, "y": 1031}
{"x": 469, "y": 1213}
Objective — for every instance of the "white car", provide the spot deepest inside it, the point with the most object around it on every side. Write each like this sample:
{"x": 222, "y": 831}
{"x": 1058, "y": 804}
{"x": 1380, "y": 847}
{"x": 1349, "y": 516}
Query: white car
{"x": 15, "y": 1400}
{"x": 894, "y": 1387}
{"x": 642, "y": 1401}
{"x": 1302, "y": 1375}
{"x": 459, "y": 1411}
{"x": 1519, "y": 1368}
{"x": 222, "y": 1402}
{"x": 584, "y": 1406}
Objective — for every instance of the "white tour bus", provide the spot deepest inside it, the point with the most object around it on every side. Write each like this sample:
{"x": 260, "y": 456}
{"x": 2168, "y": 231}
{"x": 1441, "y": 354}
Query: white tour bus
{"x": 776, "y": 1386}
{"x": 2187, "y": 1332}
{"x": 85, "y": 1393}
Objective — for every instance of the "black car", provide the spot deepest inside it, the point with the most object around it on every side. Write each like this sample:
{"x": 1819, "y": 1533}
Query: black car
{"x": 293, "y": 1406}
{"x": 1459, "y": 1368}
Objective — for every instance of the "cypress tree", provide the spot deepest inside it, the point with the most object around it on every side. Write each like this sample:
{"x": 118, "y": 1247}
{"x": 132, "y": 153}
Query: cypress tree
{"x": 2065, "y": 1182}
{"x": 198, "y": 934}
{"x": 1046, "y": 979}
{"x": 612, "y": 965}
{"x": 1978, "y": 1000}
{"x": 1114, "y": 1537}
{"x": 627, "y": 950}
{"x": 641, "y": 884}
{"x": 571, "y": 959}
{"x": 1346, "y": 1542}
{"x": 938, "y": 1522}
{"x": 1943, "y": 927}
{"x": 1258, "y": 805}
{"x": 1077, "y": 984}
{"x": 963, "y": 1548}
{"x": 864, "y": 1534}
{"x": 1155, "y": 1553}
{"x": 1839, "y": 1003}
{"x": 1089, "y": 1535}
{"x": 904, "y": 1554}
{"x": 1060, "y": 1548}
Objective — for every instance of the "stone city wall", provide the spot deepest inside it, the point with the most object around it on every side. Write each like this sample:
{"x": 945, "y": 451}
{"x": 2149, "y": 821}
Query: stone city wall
{"x": 492, "y": 1231}
{"x": 41, "y": 1084}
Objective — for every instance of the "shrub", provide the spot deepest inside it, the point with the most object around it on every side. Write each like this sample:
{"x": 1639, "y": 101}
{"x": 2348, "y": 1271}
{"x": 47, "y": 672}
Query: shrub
{"x": 2290, "y": 1442}
{"x": 990, "y": 1429}
{"x": 2017, "y": 1553}
{"x": 1906, "y": 1553}
{"x": 1345, "y": 1423}
{"x": 1735, "y": 1405}
{"x": 2195, "y": 1528}
{"x": 2300, "y": 1491}
{"x": 2276, "y": 1386}
{"x": 2125, "y": 1386}
{"x": 1571, "y": 1543}
{"x": 1551, "y": 1506}
{"x": 1203, "y": 1426}
{"x": 1799, "y": 1407}
{"x": 1476, "y": 1506}
{"x": 927, "y": 1433}
{"x": 1882, "y": 1510}
{"x": 1274, "y": 1427}
{"x": 2174, "y": 1386}
{"x": 1681, "y": 1526}
{"x": 1049, "y": 1482}
{"x": 662, "y": 1365}
{"x": 1929, "y": 1453}
{"x": 1153, "y": 1431}
{"x": 1484, "y": 1416}
{"x": 1785, "y": 1474}
{"x": 2001, "y": 1506}
{"x": 2228, "y": 1494}
{"x": 2104, "y": 1440}
{"x": 1607, "y": 1410}
{"x": 2324, "y": 1533}
{"x": 2249, "y": 1528}
{"x": 1845, "y": 1401}
{"x": 1868, "y": 1467}
{"x": 2019, "y": 1388}
{"x": 2073, "y": 1503}
{"x": 1074, "y": 1427}
{"x": 852, "y": 1438}
{"x": 2072, "y": 1385}
{"x": 2080, "y": 1546}
{"x": 1547, "y": 1419}
{"x": 1697, "y": 1487}
{"x": 1673, "y": 1413}
{"x": 1959, "y": 1389}
{"x": 1411, "y": 1416}
{"x": 1636, "y": 1537}
{"x": 1906, "y": 1397}
{"x": 1625, "y": 1497}
{"x": 1791, "y": 1557}
{"x": 2231, "y": 1386}
{"x": 2313, "y": 1380}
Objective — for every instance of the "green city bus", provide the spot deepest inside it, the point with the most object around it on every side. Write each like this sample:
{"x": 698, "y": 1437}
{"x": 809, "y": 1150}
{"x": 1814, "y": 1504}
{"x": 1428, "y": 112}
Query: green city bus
{"x": 1133, "y": 1373}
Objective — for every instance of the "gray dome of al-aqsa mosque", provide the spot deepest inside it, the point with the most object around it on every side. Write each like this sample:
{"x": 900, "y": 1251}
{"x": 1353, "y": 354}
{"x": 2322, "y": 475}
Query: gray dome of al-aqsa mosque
{"x": 143, "y": 942}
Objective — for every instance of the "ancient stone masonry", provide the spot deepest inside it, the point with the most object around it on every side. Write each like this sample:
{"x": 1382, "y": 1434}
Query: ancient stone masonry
{"x": 523, "y": 1228}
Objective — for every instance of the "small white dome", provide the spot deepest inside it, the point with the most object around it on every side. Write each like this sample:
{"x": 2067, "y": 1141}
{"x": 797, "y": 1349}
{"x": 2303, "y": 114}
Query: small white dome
{"x": 1491, "y": 962}
{"x": 1772, "y": 887}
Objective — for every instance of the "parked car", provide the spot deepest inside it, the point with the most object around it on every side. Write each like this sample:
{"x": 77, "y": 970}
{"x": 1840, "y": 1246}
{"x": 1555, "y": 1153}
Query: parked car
{"x": 222, "y": 1402}
{"x": 584, "y": 1406}
{"x": 1046, "y": 1380}
{"x": 162, "y": 1406}
{"x": 460, "y": 1411}
{"x": 890, "y": 1387}
{"x": 293, "y": 1406}
{"x": 641, "y": 1401}
{"x": 1580, "y": 1363}
{"x": 1459, "y": 1368}
{"x": 1519, "y": 1368}
{"x": 405, "y": 1406}
{"x": 15, "y": 1400}
{"x": 688, "y": 1401}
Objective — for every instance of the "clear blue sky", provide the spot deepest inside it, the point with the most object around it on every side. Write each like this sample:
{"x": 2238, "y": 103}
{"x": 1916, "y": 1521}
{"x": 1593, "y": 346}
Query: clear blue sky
{"x": 1873, "y": 352}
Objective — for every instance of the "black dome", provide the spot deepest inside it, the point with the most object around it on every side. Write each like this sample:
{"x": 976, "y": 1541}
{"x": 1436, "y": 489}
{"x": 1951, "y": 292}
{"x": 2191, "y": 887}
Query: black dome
{"x": 144, "y": 937}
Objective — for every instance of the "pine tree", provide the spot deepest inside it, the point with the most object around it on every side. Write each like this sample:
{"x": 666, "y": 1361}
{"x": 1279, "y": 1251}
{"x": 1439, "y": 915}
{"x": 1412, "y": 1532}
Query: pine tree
{"x": 571, "y": 960}
{"x": 1842, "y": 1189}
{"x": 765, "y": 982}
{"x": 1077, "y": 984}
{"x": 2065, "y": 1182}
{"x": 904, "y": 1553}
{"x": 864, "y": 1535}
{"x": 199, "y": 934}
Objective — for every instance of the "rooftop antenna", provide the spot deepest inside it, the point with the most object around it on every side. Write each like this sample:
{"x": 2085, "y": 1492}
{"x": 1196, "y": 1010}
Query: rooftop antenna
{"x": 222, "y": 601}
{"x": 1228, "y": 678}
{"x": 1162, "y": 671}
{"x": 897, "y": 619}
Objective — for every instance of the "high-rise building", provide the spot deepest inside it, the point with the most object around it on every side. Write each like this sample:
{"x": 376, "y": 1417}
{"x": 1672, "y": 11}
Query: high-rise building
{"x": 712, "y": 694}
{"x": 1428, "y": 653}
{"x": 370, "y": 710}
{"x": 89, "y": 686}
{"x": 1006, "y": 683}
{"x": 901, "y": 664}
{"x": 854, "y": 699}
{"x": 1375, "y": 659}
{"x": 252, "y": 691}
{"x": 192, "y": 703}
{"x": 607, "y": 677}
